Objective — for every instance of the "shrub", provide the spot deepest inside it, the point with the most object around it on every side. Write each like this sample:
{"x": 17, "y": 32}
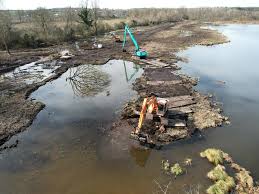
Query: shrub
{"x": 223, "y": 182}
{"x": 176, "y": 169}
{"x": 215, "y": 156}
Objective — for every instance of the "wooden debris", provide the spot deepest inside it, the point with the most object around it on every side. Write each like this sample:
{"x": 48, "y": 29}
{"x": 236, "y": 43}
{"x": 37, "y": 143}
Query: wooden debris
{"x": 176, "y": 123}
{"x": 180, "y": 103}
{"x": 160, "y": 64}
{"x": 180, "y": 98}
{"x": 179, "y": 111}
{"x": 165, "y": 83}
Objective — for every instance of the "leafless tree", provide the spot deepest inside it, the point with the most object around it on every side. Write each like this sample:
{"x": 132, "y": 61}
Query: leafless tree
{"x": 88, "y": 80}
{"x": 42, "y": 20}
{"x": 95, "y": 15}
{"x": 5, "y": 29}
{"x": 20, "y": 14}
{"x": 69, "y": 19}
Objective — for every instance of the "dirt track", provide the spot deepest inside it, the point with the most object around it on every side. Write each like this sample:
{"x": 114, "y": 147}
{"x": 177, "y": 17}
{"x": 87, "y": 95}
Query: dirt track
{"x": 18, "y": 112}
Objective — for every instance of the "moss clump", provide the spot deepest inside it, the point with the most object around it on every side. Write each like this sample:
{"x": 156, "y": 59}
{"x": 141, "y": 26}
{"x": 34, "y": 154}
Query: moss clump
{"x": 176, "y": 169}
{"x": 215, "y": 156}
{"x": 218, "y": 188}
{"x": 221, "y": 186}
{"x": 224, "y": 183}
{"x": 218, "y": 173}
{"x": 165, "y": 165}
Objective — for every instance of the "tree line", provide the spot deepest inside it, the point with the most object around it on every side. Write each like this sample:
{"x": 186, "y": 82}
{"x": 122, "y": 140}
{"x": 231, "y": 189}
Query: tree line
{"x": 43, "y": 27}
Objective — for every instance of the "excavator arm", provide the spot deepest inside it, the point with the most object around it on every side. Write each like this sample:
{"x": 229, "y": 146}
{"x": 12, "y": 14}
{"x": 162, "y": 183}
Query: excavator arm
{"x": 138, "y": 52}
{"x": 127, "y": 30}
{"x": 148, "y": 106}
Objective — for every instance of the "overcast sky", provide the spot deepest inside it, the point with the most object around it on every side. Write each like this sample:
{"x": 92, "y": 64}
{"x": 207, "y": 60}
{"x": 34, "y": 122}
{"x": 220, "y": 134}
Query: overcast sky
{"x": 125, "y": 4}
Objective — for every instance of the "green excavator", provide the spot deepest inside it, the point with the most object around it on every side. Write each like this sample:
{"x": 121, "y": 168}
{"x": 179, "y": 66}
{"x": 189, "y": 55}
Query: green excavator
{"x": 142, "y": 54}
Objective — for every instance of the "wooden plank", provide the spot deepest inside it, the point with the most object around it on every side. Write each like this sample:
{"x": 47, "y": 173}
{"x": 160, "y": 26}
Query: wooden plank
{"x": 158, "y": 63}
{"x": 179, "y": 111}
{"x": 167, "y": 83}
{"x": 180, "y": 98}
{"x": 181, "y": 103}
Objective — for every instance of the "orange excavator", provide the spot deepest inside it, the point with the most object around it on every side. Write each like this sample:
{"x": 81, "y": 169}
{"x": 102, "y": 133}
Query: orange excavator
{"x": 151, "y": 106}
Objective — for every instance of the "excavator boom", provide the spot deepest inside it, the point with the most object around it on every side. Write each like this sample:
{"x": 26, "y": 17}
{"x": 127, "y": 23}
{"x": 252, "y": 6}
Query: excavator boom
{"x": 138, "y": 52}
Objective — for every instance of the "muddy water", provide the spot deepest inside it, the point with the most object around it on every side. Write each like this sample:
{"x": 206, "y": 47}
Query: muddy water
{"x": 231, "y": 72}
{"x": 68, "y": 149}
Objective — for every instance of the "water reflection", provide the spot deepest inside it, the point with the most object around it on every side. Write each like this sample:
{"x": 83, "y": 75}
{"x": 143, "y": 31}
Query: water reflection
{"x": 140, "y": 155}
{"x": 132, "y": 75}
{"x": 88, "y": 80}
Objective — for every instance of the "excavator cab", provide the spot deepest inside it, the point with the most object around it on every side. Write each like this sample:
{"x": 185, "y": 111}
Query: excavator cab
{"x": 152, "y": 106}
{"x": 162, "y": 106}
{"x": 142, "y": 54}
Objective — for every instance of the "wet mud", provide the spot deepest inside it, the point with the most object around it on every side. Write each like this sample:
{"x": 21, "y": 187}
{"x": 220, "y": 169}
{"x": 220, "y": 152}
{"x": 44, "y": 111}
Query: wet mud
{"x": 162, "y": 41}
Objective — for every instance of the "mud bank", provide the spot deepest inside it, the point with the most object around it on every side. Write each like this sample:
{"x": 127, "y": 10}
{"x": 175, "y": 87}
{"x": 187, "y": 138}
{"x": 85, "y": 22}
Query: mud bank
{"x": 18, "y": 110}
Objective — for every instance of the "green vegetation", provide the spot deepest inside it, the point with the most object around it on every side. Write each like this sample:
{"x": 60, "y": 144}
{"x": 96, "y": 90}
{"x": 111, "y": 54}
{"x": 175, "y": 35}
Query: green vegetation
{"x": 176, "y": 169}
{"x": 165, "y": 165}
{"x": 215, "y": 156}
{"x": 86, "y": 16}
{"x": 223, "y": 182}
{"x": 218, "y": 173}
{"x": 220, "y": 187}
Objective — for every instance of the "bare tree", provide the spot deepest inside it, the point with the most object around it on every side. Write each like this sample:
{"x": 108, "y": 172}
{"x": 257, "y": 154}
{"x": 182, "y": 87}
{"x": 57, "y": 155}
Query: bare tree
{"x": 42, "y": 19}
{"x": 95, "y": 10}
{"x": 69, "y": 19}
{"x": 20, "y": 14}
{"x": 5, "y": 29}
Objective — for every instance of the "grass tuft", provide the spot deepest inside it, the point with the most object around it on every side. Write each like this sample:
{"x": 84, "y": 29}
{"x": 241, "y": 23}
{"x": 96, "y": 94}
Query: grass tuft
{"x": 215, "y": 156}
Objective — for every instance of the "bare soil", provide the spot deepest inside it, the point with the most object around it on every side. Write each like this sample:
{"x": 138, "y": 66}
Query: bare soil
{"x": 162, "y": 42}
